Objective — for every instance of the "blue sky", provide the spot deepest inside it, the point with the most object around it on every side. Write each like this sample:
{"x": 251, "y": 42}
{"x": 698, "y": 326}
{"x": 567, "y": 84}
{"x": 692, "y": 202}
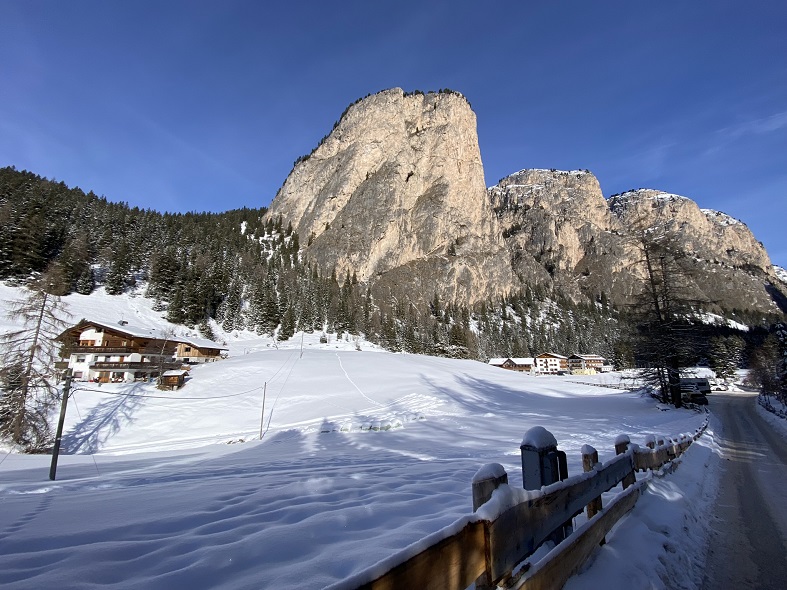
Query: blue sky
{"x": 180, "y": 106}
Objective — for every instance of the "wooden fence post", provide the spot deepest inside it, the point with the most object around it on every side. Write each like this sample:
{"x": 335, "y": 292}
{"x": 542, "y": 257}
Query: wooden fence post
{"x": 622, "y": 443}
{"x": 486, "y": 480}
{"x": 589, "y": 462}
{"x": 650, "y": 441}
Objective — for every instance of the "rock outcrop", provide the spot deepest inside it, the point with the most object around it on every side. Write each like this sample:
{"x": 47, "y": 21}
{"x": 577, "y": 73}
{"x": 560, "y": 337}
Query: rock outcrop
{"x": 396, "y": 194}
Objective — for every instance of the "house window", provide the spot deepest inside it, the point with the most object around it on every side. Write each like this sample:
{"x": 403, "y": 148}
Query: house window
{"x": 187, "y": 348}
{"x": 81, "y": 359}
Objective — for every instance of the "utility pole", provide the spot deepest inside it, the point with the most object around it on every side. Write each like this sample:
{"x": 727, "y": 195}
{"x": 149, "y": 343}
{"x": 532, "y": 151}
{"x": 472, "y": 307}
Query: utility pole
{"x": 59, "y": 434}
{"x": 262, "y": 414}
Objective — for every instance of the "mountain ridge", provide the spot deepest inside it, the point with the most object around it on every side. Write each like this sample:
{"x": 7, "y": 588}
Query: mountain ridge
{"x": 407, "y": 169}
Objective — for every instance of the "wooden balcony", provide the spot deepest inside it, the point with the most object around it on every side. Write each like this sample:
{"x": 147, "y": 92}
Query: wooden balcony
{"x": 124, "y": 350}
{"x": 125, "y": 366}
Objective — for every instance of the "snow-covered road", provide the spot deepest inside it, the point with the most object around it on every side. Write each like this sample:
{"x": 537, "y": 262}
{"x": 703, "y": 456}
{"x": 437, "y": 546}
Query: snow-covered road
{"x": 749, "y": 540}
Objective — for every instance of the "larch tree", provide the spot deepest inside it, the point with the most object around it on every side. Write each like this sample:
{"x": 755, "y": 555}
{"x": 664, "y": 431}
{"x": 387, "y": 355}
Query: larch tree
{"x": 664, "y": 344}
{"x": 27, "y": 368}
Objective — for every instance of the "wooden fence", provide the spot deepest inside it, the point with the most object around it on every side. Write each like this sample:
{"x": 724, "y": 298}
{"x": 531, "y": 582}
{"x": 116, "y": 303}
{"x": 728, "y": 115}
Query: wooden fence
{"x": 491, "y": 546}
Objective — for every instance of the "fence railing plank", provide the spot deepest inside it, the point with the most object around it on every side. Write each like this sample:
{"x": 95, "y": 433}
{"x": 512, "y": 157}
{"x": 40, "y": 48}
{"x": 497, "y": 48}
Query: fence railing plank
{"x": 647, "y": 459}
{"x": 567, "y": 558}
{"x": 518, "y": 531}
{"x": 450, "y": 564}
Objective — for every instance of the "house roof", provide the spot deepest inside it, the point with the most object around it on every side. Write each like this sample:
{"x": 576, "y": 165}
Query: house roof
{"x": 497, "y": 361}
{"x": 175, "y": 373}
{"x": 550, "y": 355}
{"x": 588, "y": 357}
{"x": 199, "y": 342}
{"x": 140, "y": 332}
{"x": 523, "y": 361}
{"x": 122, "y": 328}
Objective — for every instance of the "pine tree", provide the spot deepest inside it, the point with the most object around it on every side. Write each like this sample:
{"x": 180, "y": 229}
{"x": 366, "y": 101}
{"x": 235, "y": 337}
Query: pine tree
{"x": 287, "y": 329}
{"x": 115, "y": 282}
{"x": 231, "y": 308}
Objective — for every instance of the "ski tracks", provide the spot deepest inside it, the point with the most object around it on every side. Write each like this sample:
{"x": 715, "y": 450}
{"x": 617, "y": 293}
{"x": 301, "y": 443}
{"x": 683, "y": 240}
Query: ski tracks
{"x": 358, "y": 389}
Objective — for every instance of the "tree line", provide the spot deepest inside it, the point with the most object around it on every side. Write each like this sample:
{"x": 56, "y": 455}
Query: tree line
{"x": 246, "y": 271}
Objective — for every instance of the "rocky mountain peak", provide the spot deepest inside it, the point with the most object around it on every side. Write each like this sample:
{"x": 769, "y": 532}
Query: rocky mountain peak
{"x": 396, "y": 194}
{"x": 708, "y": 235}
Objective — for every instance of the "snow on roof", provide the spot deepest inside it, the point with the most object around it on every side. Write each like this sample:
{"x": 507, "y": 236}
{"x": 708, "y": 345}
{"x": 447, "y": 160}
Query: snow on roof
{"x": 125, "y": 328}
{"x": 551, "y": 354}
{"x": 497, "y": 361}
{"x": 175, "y": 373}
{"x": 589, "y": 357}
{"x": 199, "y": 342}
{"x": 523, "y": 361}
{"x": 139, "y": 332}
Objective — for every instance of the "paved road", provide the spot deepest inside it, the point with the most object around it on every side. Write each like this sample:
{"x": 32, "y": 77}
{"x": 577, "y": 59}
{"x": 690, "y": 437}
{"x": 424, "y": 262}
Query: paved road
{"x": 748, "y": 546}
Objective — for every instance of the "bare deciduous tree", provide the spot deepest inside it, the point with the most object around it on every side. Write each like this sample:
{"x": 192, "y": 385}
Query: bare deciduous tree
{"x": 27, "y": 371}
{"x": 665, "y": 313}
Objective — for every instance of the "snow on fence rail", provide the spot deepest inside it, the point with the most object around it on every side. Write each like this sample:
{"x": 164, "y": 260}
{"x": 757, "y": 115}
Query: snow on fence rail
{"x": 490, "y": 547}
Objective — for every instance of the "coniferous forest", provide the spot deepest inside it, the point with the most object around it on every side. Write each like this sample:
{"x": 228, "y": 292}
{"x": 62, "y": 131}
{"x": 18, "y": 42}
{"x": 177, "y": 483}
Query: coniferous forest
{"x": 245, "y": 271}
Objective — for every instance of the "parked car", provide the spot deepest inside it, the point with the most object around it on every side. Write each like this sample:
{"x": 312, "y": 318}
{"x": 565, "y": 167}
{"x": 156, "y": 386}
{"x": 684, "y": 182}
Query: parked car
{"x": 695, "y": 390}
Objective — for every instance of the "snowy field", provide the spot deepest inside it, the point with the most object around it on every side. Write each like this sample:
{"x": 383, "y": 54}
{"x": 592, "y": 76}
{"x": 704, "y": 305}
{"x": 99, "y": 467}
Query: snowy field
{"x": 362, "y": 454}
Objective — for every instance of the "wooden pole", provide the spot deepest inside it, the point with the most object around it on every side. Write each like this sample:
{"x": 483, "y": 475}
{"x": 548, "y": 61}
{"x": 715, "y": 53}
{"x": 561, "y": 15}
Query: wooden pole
{"x": 61, "y": 421}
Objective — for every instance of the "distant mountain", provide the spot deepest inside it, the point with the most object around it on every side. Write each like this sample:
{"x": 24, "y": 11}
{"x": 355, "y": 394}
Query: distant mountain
{"x": 396, "y": 194}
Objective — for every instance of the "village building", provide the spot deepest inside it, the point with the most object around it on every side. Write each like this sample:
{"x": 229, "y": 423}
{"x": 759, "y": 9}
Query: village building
{"x": 105, "y": 352}
{"x": 586, "y": 364}
{"x": 523, "y": 365}
{"x": 173, "y": 379}
{"x": 551, "y": 363}
{"x": 194, "y": 350}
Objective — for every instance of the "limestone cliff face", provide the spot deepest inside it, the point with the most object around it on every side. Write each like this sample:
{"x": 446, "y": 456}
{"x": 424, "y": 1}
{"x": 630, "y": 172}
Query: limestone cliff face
{"x": 396, "y": 194}
{"x": 559, "y": 223}
{"x": 709, "y": 235}
{"x": 729, "y": 266}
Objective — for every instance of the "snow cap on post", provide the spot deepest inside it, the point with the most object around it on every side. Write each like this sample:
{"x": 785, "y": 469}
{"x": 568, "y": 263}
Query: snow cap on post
{"x": 622, "y": 439}
{"x": 587, "y": 450}
{"x": 489, "y": 471}
{"x": 539, "y": 438}
{"x": 486, "y": 480}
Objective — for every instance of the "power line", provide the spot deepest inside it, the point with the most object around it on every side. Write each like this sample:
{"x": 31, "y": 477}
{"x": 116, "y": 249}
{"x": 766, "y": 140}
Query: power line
{"x": 164, "y": 396}
{"x": 91, "y": 454}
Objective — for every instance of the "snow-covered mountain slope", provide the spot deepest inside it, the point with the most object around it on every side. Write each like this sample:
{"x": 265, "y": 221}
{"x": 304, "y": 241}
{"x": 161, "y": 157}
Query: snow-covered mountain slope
{"x": 362, "y": 454}
{"x": 139, "y": 311}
